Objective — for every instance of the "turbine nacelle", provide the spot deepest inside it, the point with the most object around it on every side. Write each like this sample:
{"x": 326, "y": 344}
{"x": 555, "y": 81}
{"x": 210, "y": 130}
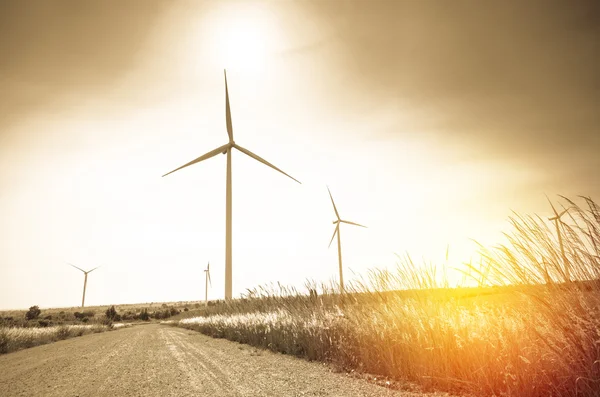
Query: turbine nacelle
{"x": 558, "y": 216}
{"x": 84, "y": 272}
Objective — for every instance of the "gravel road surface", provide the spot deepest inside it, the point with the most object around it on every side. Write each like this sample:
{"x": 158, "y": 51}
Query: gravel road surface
{"x": 158, "y": 360}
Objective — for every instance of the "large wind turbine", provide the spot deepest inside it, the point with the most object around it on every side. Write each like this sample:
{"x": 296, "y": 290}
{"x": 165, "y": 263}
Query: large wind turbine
{"x": 557, "y": 221}
{"x": 227, "y": 149}
{"x": 207, "y": 280}
{"x": 84, "y": 281}
{"x": 337, "y": 231}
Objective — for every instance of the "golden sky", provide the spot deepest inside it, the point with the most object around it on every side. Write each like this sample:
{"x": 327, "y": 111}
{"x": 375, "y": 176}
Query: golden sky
{"x": 430, "y": 122}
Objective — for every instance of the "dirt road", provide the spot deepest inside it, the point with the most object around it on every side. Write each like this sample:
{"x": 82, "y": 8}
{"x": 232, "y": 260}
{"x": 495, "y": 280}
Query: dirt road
{"x": 158, "y": 360}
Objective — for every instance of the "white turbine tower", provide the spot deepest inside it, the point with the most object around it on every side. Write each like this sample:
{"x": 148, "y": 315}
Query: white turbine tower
{"x": 206, "y": 281}
{"x": 337, "y": 223}
{"x": 84, "y": 281}
{"x": 227, "y": 149}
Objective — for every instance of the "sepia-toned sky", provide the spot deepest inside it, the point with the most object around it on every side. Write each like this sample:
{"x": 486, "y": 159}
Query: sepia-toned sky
{"x": 429, "y": 120}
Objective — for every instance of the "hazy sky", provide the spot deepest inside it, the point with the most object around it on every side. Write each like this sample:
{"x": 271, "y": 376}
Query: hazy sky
{"x": 429, "y": 121}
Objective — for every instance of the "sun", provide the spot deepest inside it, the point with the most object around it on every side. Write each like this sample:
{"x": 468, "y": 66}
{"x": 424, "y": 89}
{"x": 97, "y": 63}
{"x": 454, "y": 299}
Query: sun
{"x": 241, "y": 35}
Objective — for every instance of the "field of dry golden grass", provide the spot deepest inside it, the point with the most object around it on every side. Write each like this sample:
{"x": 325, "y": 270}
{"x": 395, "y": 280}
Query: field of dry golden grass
{"x": 531, "y": 328}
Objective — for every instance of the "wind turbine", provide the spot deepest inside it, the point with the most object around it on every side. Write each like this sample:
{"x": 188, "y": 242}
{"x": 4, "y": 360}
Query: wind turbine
{"x": 84, "y": 281}
{"x": 227, "y": 149}
{"x": 557, "y": 221}
{"x": 337, "y": 231}
{"x": 207, "y": 281}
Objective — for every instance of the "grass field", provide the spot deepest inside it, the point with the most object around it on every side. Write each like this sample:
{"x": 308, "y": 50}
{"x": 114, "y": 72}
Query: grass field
{"x": 17, "y": 331}
{"x": 531, "y": 328}
{"x": 15, "y": 338}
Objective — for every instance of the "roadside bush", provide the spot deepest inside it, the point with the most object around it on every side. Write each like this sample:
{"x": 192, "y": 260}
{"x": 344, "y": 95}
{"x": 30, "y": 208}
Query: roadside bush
{"x": 111, "y": 313}
{"x": 62, "y": 332}
{"x": 84, "y": 315}
{"x": 4, "y": 338}
{"x": 128, "y": 316}
{"x": 144, "y": 315}
{"x": 33, "y": 313}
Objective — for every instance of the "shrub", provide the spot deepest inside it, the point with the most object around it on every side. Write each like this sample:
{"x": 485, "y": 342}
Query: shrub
{"x": 111, "y": 313}
{"x": 4, "y": 338}
{"x": 128, "y": 316}
{"x": 144, "y": 315}
{"x": 62, "y": 332}
{"x": 33, "y": 313}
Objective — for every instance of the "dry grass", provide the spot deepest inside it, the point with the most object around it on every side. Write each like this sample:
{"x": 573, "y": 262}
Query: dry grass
{"x": 15, "y": 338}
{"x": 532, "y": 327}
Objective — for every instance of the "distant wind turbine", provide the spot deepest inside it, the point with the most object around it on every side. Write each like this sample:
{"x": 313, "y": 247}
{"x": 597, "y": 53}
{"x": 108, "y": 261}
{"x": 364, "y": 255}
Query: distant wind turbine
{"x": 337, "y": 231}
{"x": 84, "y": 281}
{"x": 227, "y": 149}
{"x": 207, "y": 281}
{"x": 557, "y": 221}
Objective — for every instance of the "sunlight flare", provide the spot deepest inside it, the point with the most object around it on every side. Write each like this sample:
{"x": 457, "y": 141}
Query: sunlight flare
{"x": 240, "y": 36}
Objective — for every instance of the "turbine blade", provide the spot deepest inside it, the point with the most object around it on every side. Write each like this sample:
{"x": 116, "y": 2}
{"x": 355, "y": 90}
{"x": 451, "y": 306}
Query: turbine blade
{"x": 553, "y": 209}
{"x": 265, "y": 162}
{"x": 202, "y": 158}
{"x": 352, "y": 223}
{"x": 209, "y": 282}
{"x": 76, "y": 267}
{"x": 208, "y": 267}
{"x": 334, "y": 232}
{"x": 228, "y": 110}
{"x": 89, "y": 271}
{"x": 332, "y": 202}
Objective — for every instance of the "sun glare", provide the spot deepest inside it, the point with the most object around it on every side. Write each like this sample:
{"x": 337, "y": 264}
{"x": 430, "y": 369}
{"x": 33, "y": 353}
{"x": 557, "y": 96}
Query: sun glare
{"x": 240, "y": 36}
